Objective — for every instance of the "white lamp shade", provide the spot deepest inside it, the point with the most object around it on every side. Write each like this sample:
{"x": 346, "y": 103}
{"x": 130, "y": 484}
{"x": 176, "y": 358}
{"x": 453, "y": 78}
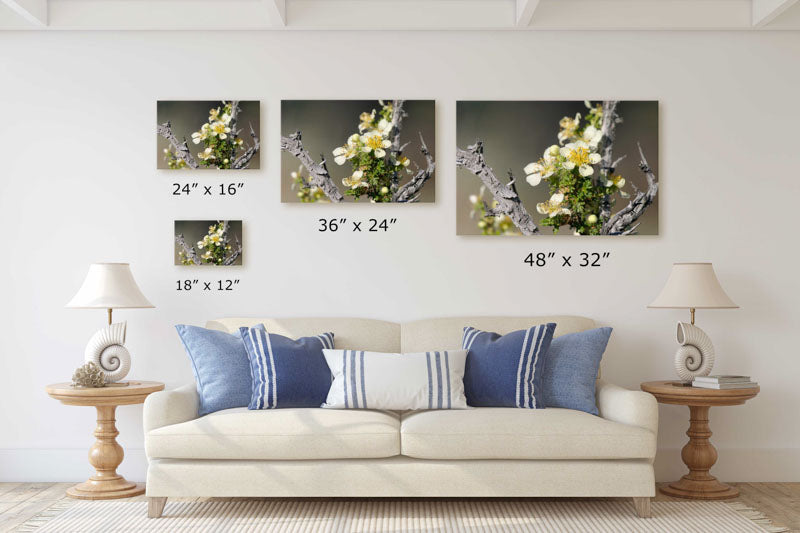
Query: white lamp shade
{"x": 109, "y": 286}
{"x": 693, "y": 285}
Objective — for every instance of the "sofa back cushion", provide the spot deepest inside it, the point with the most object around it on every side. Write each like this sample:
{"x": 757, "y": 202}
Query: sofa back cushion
{"x": 416, "y": 336}
{"x": 351, "y": 333}
{"x": 446, "y": 333}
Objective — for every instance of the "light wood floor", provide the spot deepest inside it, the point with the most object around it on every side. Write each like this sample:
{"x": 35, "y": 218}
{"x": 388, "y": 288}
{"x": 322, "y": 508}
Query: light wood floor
{"x": 21, "y": 501}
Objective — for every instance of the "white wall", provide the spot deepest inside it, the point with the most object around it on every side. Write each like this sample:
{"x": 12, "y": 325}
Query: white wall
{"x": 78, "y": 185}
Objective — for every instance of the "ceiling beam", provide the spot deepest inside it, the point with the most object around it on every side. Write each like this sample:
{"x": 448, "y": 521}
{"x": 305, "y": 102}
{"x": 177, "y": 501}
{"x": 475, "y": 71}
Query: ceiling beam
{"x": 615, "y": 15}
{"x": 164, "y": 15}
{"x": 277, "y": 9}
{"x": 765, "y": 11}
{"x": 421, "y": 15}
{"x": 400, "y": 14}
{"x": 34, "y": 11}
{"x": 525, "y": 11}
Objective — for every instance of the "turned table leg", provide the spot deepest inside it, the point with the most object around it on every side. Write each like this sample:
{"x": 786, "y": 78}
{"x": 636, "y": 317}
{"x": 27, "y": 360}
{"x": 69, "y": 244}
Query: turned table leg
{"x": 105, "y": 455}
{"x": 699, "y": 455}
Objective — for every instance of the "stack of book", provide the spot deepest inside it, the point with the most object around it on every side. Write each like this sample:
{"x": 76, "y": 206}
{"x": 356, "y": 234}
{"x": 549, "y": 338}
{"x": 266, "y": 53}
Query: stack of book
{"x": 723, "y": 382}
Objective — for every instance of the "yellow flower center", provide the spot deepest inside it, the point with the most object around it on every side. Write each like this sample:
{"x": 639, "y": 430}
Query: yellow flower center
{"x": 374, "y": 142}
{"x": 579, "y": 156}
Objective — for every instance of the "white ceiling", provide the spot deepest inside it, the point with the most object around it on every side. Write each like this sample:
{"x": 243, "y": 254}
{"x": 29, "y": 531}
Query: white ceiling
{"x": 399, "y": 14}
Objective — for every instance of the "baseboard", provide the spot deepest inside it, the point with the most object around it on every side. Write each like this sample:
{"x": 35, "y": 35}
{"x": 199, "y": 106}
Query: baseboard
{"x": 43, "y": 465}
{"x": 59, "y": 464}
{"x": 737, "y": 464}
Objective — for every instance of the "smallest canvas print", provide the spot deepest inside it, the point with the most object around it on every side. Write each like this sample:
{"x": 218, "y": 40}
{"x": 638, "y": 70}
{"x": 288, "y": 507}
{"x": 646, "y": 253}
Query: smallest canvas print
{"x": 213, "y": 134}
{"x": 208, "y": 242}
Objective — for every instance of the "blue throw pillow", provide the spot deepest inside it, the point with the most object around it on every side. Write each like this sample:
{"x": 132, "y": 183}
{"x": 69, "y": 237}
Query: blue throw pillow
{"x": 570, "y": 369}
{"x": 506, "y": 371}
{"x": 286, "y": 372}
{"x": 220, "y": 365}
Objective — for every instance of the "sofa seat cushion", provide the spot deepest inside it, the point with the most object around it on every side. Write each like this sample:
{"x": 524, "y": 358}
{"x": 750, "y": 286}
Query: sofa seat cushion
{"x": 299, "y": 433}
{"x": 509, "y": 433}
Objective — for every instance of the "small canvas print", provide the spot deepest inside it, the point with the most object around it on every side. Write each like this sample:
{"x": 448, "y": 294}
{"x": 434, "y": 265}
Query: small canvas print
{"x": 208, "y": 242}
{"x": 369, "y": 151}
{"x": 219, "y": 134}
{"x": 557, "y": 167}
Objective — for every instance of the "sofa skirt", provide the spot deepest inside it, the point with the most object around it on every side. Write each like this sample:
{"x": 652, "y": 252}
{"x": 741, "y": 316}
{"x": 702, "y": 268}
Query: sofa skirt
{"x": 400, "y": 477}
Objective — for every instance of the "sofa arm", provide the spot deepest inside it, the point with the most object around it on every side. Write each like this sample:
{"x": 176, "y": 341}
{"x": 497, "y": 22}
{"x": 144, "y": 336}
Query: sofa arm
{"x": 170, "y": 407}
{"x": 634, "y": 408}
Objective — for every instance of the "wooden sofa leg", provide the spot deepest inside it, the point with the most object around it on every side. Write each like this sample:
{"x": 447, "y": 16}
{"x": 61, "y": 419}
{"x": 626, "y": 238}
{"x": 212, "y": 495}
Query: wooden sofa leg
{"x": 155, "y": 506}
{"x": 642, "y": 506}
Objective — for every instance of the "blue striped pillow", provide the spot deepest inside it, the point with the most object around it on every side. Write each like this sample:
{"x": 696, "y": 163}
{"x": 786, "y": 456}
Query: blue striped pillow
{"x": 286, "y": 372}
{"x": 506, "y": 371}
{"x": 396, "y": 381}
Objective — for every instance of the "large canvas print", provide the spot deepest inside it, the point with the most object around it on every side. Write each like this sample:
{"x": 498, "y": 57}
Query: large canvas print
{"x": 221, "y": 134}
{"x": 208, "y": 242}
{"x": 557, "y": 168}
{"x": 377, "y": 151}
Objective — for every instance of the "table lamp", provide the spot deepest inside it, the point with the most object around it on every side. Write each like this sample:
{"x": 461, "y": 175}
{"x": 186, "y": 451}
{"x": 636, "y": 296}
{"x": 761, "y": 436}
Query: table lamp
{"x": 693, "y": 286}
{"x": 109, "y": 286}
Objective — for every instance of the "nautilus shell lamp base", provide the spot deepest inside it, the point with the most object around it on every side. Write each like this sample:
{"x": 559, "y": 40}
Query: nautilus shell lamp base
{"x": 107, "y": 350}
{"x": 695, "y": 354}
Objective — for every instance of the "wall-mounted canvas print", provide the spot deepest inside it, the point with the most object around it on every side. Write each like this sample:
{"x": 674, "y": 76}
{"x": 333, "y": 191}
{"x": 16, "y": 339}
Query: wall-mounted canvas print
{"x": 221, "y": 134}
{"x": 375, "y": 151}
{"x": 557, "y": 168}
{"x": 208, "y": 242}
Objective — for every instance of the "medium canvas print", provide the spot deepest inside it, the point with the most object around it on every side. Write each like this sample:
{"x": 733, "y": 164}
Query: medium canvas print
{"x": 219, "y": 134}
{"x": 368, "y": 151}
{"x": 557, "y": 167}
{"x": 208, "y": 242}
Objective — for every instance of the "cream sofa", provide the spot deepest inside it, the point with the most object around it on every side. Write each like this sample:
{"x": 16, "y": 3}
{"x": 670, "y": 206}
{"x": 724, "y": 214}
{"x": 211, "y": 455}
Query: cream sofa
{"x": 481, "y": 452}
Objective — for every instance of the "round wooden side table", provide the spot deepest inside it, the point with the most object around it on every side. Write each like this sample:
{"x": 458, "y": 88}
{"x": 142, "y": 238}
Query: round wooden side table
{"x": 106, "y": 454}
{"x": 698, "y": 454}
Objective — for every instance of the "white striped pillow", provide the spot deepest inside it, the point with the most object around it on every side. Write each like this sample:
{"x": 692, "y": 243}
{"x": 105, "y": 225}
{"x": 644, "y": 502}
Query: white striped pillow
{"x": 395, "y": 381}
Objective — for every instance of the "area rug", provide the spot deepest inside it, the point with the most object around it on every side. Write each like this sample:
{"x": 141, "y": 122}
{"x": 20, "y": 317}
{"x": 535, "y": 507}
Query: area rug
{"x": 363, "y": 516}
